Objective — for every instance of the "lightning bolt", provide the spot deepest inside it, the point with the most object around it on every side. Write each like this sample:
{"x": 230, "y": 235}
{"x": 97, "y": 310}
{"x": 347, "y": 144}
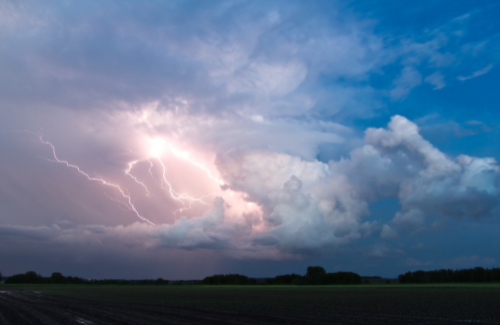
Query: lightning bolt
{"x": 127, "y": 171}
{"x": 182, "y": 198}
{"x": 123, "y": 206}
{"x": 98, "y": 179}
{"x": 185, "y": 200}
{"x": 185, "y": 155}
{"x": 150, "y": 167}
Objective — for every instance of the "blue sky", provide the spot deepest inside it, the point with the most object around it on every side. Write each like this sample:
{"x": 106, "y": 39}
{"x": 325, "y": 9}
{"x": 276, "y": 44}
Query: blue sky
{"x": 185, "y": 138}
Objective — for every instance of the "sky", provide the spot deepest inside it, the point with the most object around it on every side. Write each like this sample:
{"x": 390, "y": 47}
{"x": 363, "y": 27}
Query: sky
{"x": 181, "y": 139}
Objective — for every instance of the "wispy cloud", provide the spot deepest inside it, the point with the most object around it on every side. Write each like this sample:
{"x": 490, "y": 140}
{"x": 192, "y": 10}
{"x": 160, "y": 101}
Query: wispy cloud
{"x": 436, "y": 79}
{"x": 408, "y": 79}
{"x": 477, "y": 73}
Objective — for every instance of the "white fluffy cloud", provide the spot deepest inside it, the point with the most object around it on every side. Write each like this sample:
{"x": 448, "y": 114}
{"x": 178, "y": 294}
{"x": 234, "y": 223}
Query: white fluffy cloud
{"x": 309, "y": 204}
{"x": 429, "y": 181}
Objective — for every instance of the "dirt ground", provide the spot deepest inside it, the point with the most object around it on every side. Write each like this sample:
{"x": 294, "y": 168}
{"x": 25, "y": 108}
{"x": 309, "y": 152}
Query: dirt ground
{"x": 33, "y": 307}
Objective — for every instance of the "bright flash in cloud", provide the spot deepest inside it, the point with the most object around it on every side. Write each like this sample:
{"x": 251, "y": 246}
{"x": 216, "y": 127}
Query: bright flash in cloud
{"x": 156, "y": 147}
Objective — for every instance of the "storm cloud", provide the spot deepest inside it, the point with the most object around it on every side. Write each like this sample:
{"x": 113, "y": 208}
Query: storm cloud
{"x": 250, "y": 131}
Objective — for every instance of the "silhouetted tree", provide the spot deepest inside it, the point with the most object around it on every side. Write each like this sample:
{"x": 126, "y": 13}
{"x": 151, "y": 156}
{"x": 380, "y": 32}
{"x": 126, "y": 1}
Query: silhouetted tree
{"x": 228, "y": 279}
{"x": 286, "y": 279}
{"x": 314, "y": 272}
{"x": 158, "y": 281}
{"x": 57, "y": 278}
{"x": 477, "y": 274}
{"x": 339, "y": 278}
{"x": 32, "y": 277}
{"x": 161, "y": 281}
{"x": 316, "y": 275}
{"x": 27, "y": 278}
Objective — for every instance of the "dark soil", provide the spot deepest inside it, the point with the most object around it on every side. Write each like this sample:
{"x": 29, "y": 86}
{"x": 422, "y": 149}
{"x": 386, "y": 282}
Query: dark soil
{"x": 22, "y": 306}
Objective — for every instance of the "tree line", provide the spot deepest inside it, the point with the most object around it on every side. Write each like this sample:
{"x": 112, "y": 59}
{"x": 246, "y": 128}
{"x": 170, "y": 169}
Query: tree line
{"x": 228, "y": 279}
{"x": 315, "y": 275}
{"x": 32, "y": 277}
{"x": 477, "y": 274}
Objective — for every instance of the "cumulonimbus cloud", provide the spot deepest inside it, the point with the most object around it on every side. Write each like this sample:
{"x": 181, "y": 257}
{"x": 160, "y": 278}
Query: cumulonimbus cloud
{"x": 305, "y": 205}
{"x": 250, "y": 90}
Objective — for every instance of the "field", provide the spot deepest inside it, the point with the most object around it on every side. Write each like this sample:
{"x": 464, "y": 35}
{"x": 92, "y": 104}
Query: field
{"x": 370, "y": 304}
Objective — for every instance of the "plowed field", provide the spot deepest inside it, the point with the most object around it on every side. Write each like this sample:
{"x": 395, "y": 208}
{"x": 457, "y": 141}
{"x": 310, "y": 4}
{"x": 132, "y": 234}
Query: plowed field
{"x": 249, "y": 305}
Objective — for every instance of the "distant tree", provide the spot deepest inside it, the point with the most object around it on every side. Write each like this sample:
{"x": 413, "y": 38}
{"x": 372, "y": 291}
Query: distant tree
{"x": 0, "y": 276}
{"x": 366, "y": 281}
{"x": 158, "y": 281}
{"x": 318, "y": 275}
{"x": 161, "y": 281}
{"x": 28, "y": 278}
{"x": 228, "y": 279}
{"x": 285, "y": 279}
{"x": 32, "y": 277}
{"x": 340, "y": 278}
{"x": 15, "y": 279}
{"x": 314, "y": 272}
{"x": 387, "y": 281}
{"x": 477, "y": 274}
{"x": 57, "y": 278}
